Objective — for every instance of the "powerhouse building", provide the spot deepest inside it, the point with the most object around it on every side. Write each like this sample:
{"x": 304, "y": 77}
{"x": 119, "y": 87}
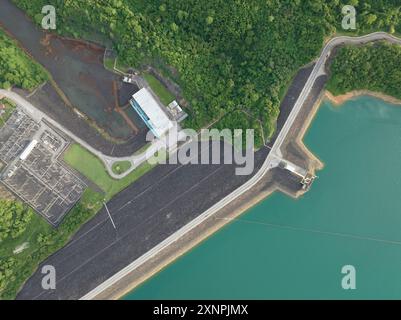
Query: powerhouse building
{"x": 151, "y": 112}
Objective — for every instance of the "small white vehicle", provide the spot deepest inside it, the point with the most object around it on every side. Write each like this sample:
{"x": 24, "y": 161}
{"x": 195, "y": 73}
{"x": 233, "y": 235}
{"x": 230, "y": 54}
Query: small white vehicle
{"x": 127, "y": 79}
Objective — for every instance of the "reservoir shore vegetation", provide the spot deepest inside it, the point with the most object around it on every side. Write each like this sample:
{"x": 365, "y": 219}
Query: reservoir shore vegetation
{"x": 374, "y": 67}
{"x": 223, "y": 54}
{"x": 341, "y": 99}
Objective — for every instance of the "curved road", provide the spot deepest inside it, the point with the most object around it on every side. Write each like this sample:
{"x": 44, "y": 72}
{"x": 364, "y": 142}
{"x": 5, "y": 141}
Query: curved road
{"x": 135, "y": 160}
{"x": 268, "y": 164}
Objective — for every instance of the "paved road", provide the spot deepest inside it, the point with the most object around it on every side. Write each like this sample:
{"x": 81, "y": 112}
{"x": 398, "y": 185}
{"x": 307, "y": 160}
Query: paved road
{"x": 136, "y": 160}
{"x": 145, "y": 214}
{"x": 268, "y": 164}
{"x": 154, "y": 212}
{"x": 319, "y": 70}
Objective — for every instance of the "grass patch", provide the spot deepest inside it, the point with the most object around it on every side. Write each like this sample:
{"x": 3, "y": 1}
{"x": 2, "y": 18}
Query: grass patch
{"x": 92, "y": 167}
{"x": 164, "y": 95}
{"x": 143, "y": 149}
{"x": 121, "y": 167}
{"x": 121, "y": 66}
{"x": 109, "y": 64}
{"x": 6, "y": 113}
{"x": 43, "y": 240}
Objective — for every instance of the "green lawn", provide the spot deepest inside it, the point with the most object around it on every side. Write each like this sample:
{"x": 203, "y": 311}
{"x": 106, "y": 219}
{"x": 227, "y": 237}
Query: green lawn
{"x": 109, "y": 64}
{"x": 92, "y": 167}
{"x": 164, "y": 95}
{"x": 121, "y": 167}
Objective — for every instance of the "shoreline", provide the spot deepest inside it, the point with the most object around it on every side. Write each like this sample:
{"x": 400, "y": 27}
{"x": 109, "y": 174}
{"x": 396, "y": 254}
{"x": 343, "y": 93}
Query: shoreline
{"x": 242, "y": 198}
{"x": 230, "y": 213}
{"x": 239, "y": 207}
{"x": 343, "y": 98}
{"x": 191, "y": 240}
{"x": 314, "y": 163}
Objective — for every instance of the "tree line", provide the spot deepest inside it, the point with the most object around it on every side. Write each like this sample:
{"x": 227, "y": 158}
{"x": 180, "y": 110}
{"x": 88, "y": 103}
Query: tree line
{"x": 229, "y": 55}
{"x": 374, "y": 67}
{"x": 16, "y": 68}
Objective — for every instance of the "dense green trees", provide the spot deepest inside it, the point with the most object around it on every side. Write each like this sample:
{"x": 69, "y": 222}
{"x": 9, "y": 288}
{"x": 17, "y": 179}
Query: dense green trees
{"x": 19, "y": 226}
{"x": 16, "y": 68}
{"x": 6, "y": 272}
{"x": 374, "y": 67}
{"x": 228, "y": 54}
{"x": 234, "y": 60}
{"x": 14, "y": 217}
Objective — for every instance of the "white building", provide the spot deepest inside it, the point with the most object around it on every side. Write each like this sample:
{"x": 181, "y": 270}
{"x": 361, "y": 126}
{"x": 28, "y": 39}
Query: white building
{"x": 151, "y": 112}
{"x": 28, "y": 150}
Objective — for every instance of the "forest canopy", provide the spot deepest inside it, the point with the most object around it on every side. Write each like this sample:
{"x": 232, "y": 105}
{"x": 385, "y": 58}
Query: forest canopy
{"x": 14, "y": 218}
{"x": 375, "y": 67}
{"x": 234, "y": 60}
{"x": 16, "y": 68}
{"x": 231, "y": 57}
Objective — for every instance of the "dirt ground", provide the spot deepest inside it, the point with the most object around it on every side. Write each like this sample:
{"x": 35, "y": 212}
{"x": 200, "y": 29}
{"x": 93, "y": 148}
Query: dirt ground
{"x": 78, "y": 73}
{"x": 47, "y": 100}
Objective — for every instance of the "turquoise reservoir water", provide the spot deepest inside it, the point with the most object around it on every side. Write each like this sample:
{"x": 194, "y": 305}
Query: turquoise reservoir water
{"x": 286, "y": 248}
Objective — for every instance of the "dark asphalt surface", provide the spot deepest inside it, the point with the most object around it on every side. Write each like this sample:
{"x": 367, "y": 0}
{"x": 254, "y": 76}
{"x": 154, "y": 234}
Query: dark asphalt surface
{"x": 146, "y": 213}
{"x": 290, "y": 98}
{"x": 46, "y": 98}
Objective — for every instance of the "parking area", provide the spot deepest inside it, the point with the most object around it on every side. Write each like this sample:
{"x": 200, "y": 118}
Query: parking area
{"x": 32, "y": 171}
